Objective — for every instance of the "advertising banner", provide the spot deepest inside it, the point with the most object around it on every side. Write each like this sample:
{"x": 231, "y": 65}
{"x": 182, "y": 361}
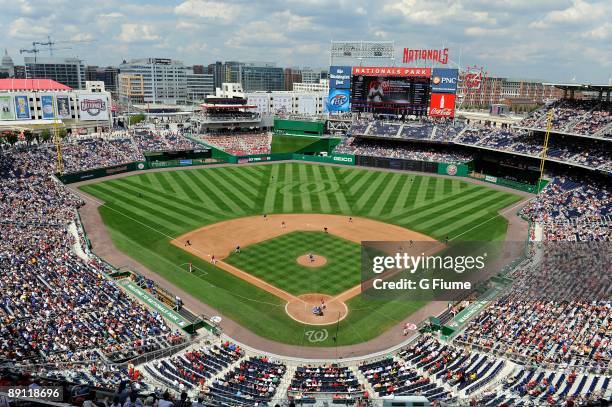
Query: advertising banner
{"x": 307, "y": 104}
{"x": 46, "y": 103}
{"x": 442, "y": 105}
{"x": 63, "y": 107}
{"x": 7, "y": 111}
{"x": 93, "y": 106}
{"x": 444, "y": 80}
{"x": 338, "y": 101}
{"x": 22, "y": 107}
{"x": 391, "y": 71}
{"x": 340, "y": 77}
{"x": 282, "y": 104}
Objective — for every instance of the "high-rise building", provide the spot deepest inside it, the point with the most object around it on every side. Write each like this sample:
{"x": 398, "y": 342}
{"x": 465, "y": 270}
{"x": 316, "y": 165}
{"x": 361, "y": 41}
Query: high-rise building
{"x": 164, "y": 80}
{"x": 261, "y": 77}
{"x": 68, "y": 71}
{"x": 292, "y": 75}
{"x": 131, "y": 88}
{"x": 107, "y": 74}
{"x": 20, "y": 72}
{"x": 199, "y": 85}
{"x": 198, "y": 69}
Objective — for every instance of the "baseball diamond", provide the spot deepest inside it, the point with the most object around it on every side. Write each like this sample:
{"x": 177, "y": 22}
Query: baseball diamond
{"x": 146, "y": 213}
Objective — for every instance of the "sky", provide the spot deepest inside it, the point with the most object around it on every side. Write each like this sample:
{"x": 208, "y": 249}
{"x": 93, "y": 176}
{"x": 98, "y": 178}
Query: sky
{"x": 551, "y": 40}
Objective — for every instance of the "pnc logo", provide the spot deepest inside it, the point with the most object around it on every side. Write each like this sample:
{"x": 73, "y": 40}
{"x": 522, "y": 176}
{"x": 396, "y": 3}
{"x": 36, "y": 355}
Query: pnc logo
{"x": 437, "y": 80}
{"x": 338, "y": 100}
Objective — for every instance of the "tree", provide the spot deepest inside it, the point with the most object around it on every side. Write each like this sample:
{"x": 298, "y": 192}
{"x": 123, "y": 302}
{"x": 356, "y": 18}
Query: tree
{"x": 12, "y": 137}
{"x": 62, "y": 133}
{"x": 29, "y": 136}
{"x": 45, "y": 135}
{"x": 137, "y": 118}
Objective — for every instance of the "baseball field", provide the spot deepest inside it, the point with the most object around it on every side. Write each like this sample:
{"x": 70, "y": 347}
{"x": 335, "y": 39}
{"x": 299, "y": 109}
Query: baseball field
{"x": 165, "y": 220}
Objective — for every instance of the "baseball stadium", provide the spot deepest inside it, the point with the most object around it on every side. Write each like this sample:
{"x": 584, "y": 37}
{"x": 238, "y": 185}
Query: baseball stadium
{"x": 225, "y": 255}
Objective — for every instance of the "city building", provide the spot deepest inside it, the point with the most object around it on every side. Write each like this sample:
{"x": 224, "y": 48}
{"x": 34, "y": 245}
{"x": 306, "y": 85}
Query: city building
{"x": 164, "y": 80}
{"x": 107, "y": 74}
{"x": 199, "y": 85}
{"x": 131, "y": 88}
{"x": 20, "y": 72}
{"x": 526, "y": 93}
{"x": 322, "y": 87}
{"x": 283, "y": 103}
{"x": 198, "y": 69}
{"x": 7, "y": 67}
{"x": 68, "y": 71}
{"x": 292, "y": 75}
{"x": 261, "y": 77}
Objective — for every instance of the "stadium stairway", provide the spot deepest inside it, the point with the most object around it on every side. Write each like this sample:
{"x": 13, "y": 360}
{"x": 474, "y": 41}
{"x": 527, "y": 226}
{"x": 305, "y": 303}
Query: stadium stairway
{"x": 362, "y": 380}
{"x": 281, "y": 390}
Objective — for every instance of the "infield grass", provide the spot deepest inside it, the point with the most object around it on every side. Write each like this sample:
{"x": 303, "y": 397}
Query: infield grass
{"x": 144, "y": 212}
{"x": 274, "y": 260}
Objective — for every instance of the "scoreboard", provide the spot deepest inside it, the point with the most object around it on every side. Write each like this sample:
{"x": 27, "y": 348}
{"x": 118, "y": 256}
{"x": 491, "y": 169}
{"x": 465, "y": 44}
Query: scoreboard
{"x": 401, "y": 91}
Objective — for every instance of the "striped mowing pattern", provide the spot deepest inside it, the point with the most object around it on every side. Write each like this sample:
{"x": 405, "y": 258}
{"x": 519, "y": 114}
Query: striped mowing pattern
{"x": 182, "y": 200}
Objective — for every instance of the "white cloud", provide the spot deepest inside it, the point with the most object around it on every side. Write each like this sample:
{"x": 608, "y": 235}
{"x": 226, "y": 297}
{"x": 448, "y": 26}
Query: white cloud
{"x": 137, "y": 33}
{"x": 26, "y": 29}
{"x": 208, "y": 9}
{"x": 600, "y": 32}
{"x": 579, "y": 12}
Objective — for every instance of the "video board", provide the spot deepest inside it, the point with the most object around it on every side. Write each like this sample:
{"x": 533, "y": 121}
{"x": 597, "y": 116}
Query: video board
{"x": 402, "y": 91}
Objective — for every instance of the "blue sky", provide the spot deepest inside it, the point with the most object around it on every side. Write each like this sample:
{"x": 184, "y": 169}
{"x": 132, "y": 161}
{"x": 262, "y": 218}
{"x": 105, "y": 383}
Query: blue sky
{"x": 556, "y": 40}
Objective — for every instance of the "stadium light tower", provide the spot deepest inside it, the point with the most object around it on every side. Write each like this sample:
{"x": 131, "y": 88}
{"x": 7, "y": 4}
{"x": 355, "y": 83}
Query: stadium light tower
{"x": 362, "y": 50}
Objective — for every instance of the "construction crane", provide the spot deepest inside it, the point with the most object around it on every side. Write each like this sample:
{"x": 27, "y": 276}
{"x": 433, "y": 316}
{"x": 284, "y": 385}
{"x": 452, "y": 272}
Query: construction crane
{"x": 34, "y": 51}
{"x": 50, "y": 43}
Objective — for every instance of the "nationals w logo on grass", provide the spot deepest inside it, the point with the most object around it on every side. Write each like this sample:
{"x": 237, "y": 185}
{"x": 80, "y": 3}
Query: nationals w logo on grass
{"x": 93, "y": 106}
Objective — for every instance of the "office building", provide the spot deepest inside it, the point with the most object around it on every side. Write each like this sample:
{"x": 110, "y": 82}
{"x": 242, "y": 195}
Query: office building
{"x": 164, "y": 80}
{"x": 68, "y": 71}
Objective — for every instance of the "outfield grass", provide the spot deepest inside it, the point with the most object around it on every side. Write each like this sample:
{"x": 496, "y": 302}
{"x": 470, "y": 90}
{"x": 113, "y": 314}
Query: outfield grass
{"x": 176, "y": 202}
{"x": 274, "y": 260}
{"x": 291, "y": 144}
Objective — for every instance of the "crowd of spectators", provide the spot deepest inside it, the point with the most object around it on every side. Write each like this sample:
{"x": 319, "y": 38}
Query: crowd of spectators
{"x": 162, "y": 140}
{"x": 365, "y": 147}
{"x": 424, "y": 129}
{"x": 241, "y": 143}
{"x": 584, "y": 117}
{"x": 572, "y": 209}
{"x": 324, "y": 379}
{"x": 520, "y": 141}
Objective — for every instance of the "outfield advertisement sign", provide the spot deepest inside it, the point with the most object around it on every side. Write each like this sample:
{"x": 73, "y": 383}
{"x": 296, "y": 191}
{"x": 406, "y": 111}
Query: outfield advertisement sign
{"x": 7, "y": 111}
{"x": 345, "y": 159}
{"x": 282, "y": 104}
{"x": 444, "y": 80}
{"x": 340, "y": 77}
{"x": 22, "y": 107}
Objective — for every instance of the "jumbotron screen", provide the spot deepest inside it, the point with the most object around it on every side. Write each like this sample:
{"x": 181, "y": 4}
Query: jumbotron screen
{"x": 403, "y": 91}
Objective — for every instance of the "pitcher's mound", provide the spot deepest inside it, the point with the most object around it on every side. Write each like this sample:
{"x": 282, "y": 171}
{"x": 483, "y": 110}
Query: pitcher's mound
{"x": 301, "y": 309}
{"x": 317, "y": 261}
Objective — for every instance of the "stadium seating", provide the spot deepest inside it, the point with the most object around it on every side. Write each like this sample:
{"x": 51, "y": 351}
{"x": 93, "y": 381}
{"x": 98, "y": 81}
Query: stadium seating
{"x": 240, "y": 144}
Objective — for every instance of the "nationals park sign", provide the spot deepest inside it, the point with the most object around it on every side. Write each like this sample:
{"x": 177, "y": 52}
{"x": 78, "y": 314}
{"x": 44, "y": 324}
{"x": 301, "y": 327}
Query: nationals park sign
{"x": 435, "y": 55}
